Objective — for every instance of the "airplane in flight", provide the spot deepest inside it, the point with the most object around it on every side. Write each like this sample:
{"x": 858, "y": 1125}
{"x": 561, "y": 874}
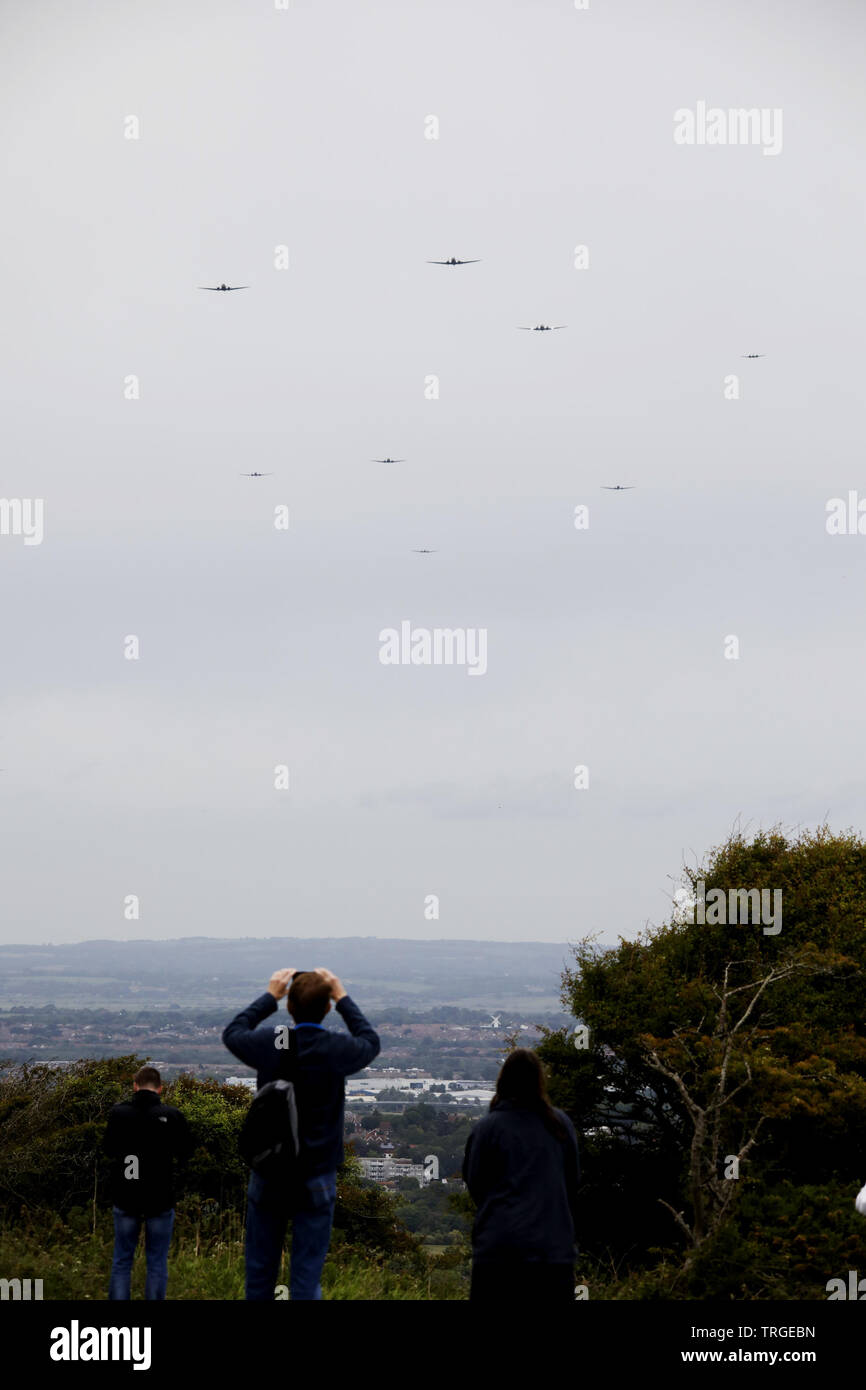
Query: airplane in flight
{"x": 617, "y": 487}
{"x": 454, "y": 261}
{"x": 223, "y": 287}
{"x": 255, "y": 475}
{"x": 541, "y": 327}
{"x": 387, "y": 460}
{"x": 753, "y": 354}
{"x": 425, "y": 552}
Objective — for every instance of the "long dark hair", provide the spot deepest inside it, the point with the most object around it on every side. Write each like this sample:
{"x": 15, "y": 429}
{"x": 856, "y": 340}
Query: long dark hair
{"x": 521, "y": 1080}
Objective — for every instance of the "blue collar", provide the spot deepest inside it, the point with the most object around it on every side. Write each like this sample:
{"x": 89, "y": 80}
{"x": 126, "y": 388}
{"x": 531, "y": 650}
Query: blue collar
{"x": 309, "y": 1025}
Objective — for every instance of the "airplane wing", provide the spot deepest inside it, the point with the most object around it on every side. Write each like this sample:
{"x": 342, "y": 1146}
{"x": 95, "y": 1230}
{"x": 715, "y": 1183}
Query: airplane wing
{"x": 554, "y": 326}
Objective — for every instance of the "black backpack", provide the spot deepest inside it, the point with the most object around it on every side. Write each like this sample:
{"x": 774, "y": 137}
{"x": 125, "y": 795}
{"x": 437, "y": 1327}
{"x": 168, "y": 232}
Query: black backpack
{"x": 269, "y": 1140}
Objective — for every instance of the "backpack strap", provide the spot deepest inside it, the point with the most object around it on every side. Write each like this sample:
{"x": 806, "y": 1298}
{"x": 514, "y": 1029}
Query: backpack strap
{"x": 288, "y": 1061}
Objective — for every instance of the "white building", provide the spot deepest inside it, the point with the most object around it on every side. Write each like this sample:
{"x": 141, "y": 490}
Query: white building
{"x": 386, "y": 1168}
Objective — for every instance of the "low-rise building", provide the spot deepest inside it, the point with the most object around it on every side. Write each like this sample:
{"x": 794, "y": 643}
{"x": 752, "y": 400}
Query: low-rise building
{"x": 387, "y": 1169}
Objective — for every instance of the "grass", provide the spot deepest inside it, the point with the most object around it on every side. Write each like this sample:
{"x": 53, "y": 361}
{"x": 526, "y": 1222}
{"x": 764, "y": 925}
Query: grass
{"x": 75, "y": 1263}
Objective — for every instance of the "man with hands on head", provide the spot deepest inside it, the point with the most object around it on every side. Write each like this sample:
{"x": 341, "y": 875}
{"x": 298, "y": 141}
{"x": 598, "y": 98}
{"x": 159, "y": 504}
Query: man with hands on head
{"x": 322, "y": 1061}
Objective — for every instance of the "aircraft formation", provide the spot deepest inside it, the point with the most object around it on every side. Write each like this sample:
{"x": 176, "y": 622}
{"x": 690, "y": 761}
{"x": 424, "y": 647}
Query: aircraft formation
{"x": 523, "y": 327}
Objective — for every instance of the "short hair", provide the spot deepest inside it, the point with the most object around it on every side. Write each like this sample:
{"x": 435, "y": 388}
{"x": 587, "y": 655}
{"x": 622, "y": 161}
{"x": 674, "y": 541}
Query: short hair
{"x": 148, "y": 1077}
{"x": 308, "y": 997}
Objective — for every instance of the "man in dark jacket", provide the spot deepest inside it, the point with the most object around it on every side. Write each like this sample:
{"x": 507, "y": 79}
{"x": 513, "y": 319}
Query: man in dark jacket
{"x": 144, "y": 1139}
{"x": 322, "y": 1060}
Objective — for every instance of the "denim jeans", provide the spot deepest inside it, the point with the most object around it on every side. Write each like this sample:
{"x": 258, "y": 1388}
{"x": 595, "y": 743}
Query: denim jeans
{"x": 157, "y": 1238}
{"x": 311, "y": 1210}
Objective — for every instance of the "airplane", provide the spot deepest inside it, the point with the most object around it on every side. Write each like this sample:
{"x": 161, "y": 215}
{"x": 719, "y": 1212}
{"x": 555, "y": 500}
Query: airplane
{"x": 618, "y": 487}
{"x": 454, "y": 261}
{"x": 425, "y": 552}
{"x": 753, "y": 354}
{"x": 387, "y": 460}
{"x": 541, "y": 327}
{"x": 255, "y": 475}
{"x": 223, "y": 287}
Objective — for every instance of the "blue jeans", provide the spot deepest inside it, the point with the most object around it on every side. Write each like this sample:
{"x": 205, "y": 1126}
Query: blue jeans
{"x": 157, "y": 1238}
{"x": 311, "y": 1210}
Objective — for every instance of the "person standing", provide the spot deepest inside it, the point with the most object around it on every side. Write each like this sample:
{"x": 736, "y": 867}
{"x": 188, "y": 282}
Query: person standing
{"x": 322, "y": 1059}
{"x": 522, "y": 1168}
{"x": 145, "y": 1139}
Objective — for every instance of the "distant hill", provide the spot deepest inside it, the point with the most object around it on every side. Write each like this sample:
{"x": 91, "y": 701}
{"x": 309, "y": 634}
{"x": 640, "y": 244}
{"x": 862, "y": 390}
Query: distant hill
{"x": 213, "y": 971}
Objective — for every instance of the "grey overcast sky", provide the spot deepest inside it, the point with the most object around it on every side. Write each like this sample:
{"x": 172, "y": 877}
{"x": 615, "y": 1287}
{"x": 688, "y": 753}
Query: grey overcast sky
{"x": 260, "y": 128}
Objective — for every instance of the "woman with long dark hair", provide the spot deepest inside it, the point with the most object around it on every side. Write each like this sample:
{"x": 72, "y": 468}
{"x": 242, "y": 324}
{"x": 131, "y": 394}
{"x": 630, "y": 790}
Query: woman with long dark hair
{"x": 522, "y": 1169}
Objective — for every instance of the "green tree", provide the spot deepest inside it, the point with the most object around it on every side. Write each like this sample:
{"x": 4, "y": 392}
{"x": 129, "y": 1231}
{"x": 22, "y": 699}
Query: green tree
{"x": 719, "y": 1049}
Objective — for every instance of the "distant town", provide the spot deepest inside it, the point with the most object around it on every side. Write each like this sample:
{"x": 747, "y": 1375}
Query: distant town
{"x": 433, "y": 1069}
{"x": 444, "y": 1012}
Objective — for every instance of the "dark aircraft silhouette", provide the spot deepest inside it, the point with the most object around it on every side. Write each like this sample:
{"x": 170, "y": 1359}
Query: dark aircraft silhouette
{"x": 541, "y": 327}
{"x": 454, "y": 261}
{"x": 223, "y": 287}
{"x": 753, "y": 354}
{"x": 618, "y": 487}
{"x": 425, "y": 552}
{"x": 387, "y": 460}
{"x": 255, "y": 475}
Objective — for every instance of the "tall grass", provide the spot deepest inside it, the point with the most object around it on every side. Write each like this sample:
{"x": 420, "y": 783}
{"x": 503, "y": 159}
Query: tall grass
{"x": 73, "y": 1259}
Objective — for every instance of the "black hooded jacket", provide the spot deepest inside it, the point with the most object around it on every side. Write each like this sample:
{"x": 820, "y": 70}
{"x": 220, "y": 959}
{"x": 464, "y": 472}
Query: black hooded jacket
{"x": 145, "y": 1140}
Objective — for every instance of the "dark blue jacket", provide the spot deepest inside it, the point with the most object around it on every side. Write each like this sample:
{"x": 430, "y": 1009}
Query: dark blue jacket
{"x": 523, "y": 1180}
{"x": 323, "y": 1060}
